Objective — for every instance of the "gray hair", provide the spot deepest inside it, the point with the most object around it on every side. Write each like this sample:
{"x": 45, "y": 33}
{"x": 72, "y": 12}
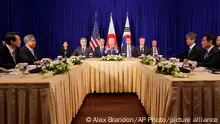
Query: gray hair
{"x": 28, "y": 37}
{"x": 83, "y": 38}
{"x": 191, "y": 35}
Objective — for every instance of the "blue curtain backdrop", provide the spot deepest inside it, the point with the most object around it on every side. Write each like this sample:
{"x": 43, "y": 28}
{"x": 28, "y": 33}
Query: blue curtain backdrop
{"x": 55, "y": 21}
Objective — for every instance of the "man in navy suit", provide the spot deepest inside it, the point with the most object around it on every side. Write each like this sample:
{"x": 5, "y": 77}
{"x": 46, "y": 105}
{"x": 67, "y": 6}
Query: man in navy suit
{"x": 129, "y": 49}
{"x": 9, "y": 53}
{"x": 194, "y": 53}
{"x": 212, "y": 52}
{"x": 111, "y": 49}
{"x": 100, "y": 50}
{"x": 83, "y": 50}
{"x": 28, "y": 53}
{"x": 142, "y": 49}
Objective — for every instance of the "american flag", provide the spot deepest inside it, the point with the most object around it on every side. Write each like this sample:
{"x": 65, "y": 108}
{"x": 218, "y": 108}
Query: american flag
{"x": 95, "y": 35}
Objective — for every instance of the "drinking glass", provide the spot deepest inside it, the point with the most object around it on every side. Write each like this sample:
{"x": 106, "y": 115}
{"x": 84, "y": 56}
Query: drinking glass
{"x": 23, "y": 67}
{"x": 123, "y": 54}
{"x": 90, "y": 55}
{"x": 193, "y": 65}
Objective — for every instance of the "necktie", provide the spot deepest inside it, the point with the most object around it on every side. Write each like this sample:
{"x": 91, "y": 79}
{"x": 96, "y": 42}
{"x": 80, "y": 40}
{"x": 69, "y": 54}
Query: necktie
{"x": 65, "y": 54}
{"x": 206, "y": 55}
{"x": 155, "y": 50}
{"x": 32, "y": 51}
{"x": 101, "y": 49}
{"x": 13, "y": 56}
{"x": 142, "y": 49}
{"x": 189, "y": 52}
{"x": 83, "y": 51}
{"x": 111, "y": 51}
{"x": 129, "y": 51}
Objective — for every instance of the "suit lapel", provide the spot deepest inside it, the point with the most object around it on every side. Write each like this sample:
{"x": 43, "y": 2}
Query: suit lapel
{"x": 9, "y": 54}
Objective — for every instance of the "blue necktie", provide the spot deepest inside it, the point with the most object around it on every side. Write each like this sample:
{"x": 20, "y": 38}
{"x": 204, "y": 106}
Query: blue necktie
{"x": 206, "y": 54}
{"x": 65, "y": 54}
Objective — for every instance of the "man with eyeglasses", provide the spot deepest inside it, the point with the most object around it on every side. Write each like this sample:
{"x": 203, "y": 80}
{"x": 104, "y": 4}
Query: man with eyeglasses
{"x": 28, "y": 53}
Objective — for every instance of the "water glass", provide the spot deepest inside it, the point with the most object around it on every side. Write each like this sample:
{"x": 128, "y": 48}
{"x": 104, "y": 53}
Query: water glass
{"x": 23, "y": 67}
{"x": 90, "y": 55}
{"x": 123, "y": 54}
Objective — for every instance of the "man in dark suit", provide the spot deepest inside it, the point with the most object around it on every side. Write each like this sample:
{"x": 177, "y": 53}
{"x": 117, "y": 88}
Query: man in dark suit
{"x": 9, "y": 54}
{"x": 28, "y": 53}
{"x": 65, "y": 50}
{"x": 211, "y": 56}
{"x": 194, "y": 53}
{"x": 112, "y": 49}
{"x": 100, "y": 50}
{"x": 142, "y": 50}
{"x": 83, "y": 50}
{"x": 154, "y": 51}
{"x": 128, "y": 49}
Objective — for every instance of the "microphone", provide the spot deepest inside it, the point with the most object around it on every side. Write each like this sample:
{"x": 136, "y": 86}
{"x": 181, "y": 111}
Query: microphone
{"x": 184, "y": 70}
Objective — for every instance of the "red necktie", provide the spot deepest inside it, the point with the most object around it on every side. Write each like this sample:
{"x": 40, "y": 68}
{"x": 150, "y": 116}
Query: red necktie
{"x": 155, "y": 50}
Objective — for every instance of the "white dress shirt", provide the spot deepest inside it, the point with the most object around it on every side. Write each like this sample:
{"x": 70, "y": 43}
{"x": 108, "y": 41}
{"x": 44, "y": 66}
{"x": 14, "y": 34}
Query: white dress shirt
{"x": 10, "y": 50}
{"x": 142, "y": 48}
{"x": 208, "y": 50}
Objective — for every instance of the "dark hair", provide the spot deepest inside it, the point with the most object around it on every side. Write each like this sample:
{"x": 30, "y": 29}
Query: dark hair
{"x": 8, "y": 38}
{"x": 12, "y": 33}
{"x": 141, "y": 38}
{"x": 191, "y": 36}
{"x": 210, "y": 37}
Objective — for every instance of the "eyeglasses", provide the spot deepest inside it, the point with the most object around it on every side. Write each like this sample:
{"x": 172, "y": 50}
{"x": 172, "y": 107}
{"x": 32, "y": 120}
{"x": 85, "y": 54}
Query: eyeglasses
{"x": 33, "y": 40}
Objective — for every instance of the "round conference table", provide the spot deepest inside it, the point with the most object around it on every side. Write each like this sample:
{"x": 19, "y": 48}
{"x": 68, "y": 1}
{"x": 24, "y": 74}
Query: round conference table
{"x": 33, "y": 99}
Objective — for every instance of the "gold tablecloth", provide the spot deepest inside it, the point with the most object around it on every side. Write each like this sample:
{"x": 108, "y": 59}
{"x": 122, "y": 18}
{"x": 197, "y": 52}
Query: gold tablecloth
{"x": 56, "y": 100}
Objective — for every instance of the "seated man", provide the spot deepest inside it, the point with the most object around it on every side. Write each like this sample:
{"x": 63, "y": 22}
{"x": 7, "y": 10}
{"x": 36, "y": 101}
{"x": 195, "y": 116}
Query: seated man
{"x": 100, "y": 50}
{"x": 128, "y": 49}
{"x": 154, "y": 51}
{"x": 142, "y": 49}
{"x": 83, "y": 50}
{"x": 194, "y": 53}
{"x": 9, "y": 53}
{"x": 212, "y": 55}
{"x": 28, "y": 53}
{"x": 111, "y": 49}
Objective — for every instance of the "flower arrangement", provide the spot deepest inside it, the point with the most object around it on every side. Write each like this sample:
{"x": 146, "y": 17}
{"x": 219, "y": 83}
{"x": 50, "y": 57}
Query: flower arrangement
{"x": 149, "y": 60}
{"x": 112, "y": 58}
{"x": 74, "y": 60}
{"x": 169, "y": 68}
{"x": 54, "y": 68}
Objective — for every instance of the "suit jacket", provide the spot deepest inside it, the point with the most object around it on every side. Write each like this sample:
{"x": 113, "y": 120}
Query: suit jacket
{"x": 78, "y": 51}
{"x": 62, "y": 52}
{"x": 158, "y": 50}
{"x": 98, "y": 53}
{"x": 212, "y": 61}
{"x": 26, "y": 56}
{"x": 139, "y": 52}
{"x": 133, "y": 50}
{"x": 6, "y": 60}
{"x": 195, "y": 54}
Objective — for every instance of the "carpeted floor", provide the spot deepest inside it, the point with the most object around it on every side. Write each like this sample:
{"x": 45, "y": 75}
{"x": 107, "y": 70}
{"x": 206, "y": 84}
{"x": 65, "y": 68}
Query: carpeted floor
{"x": 108, "y": 108}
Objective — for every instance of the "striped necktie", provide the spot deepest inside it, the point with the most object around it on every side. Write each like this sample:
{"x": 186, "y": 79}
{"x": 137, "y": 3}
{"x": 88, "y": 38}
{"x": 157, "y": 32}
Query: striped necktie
{"x": 14, "y": 57}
